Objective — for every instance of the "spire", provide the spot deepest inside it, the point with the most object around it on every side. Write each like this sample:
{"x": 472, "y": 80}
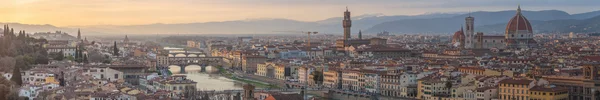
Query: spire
{"x": 346, "y": 8}
{"x": 78, "y": 34}
{"x": 469, "y": 13}
{"x": 360, "y": 34}
{"x": 519, "y": 9}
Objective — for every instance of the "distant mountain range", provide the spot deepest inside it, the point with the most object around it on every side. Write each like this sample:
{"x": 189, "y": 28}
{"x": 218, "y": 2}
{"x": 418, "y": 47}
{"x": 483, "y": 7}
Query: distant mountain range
{"x": 488, "y": 22}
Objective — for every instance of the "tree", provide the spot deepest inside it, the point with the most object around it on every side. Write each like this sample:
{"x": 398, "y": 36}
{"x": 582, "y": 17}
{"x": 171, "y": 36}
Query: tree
{"x": 115, "y": 49}
{"x": 62, "y": 79}
{"x": 24, "y": 61}
{"x": 59, "y": 56}
{"x": 95, "y": 56}
{"x": 7, "y": 63}
{"x": 76, "y": 56}
{"x": 107, "y": 59}
{"x": 41, "y": 57}
{"x": 85, "y": 58}
{"x": 317, "y": 77}
{"x": 16, "y": 77}
{"x": 448, "y": 86}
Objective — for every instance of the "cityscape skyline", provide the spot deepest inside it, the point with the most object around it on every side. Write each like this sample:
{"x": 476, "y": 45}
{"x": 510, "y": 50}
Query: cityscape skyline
{"x": 135, "y": 12}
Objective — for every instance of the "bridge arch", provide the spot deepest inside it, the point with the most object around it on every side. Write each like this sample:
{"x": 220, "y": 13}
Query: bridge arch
{"x": 203, "y": 62}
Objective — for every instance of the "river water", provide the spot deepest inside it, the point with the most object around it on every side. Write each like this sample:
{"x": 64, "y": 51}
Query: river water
{"x": 206, "y": 80}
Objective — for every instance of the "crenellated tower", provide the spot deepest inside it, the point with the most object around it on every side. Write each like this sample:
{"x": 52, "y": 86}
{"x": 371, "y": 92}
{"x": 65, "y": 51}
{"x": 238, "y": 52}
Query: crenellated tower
{"x": 347, "y": 23}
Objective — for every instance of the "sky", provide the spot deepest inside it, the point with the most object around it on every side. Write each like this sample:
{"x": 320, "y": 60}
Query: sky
{"x": 138, "y": 12}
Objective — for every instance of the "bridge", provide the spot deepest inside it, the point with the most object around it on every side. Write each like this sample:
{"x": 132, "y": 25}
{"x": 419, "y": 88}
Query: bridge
{"x": 183, "y": 62}
{"x": 187, "y": 54}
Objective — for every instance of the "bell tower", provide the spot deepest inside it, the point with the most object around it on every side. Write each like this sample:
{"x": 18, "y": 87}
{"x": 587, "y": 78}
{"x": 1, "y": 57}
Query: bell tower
{"x": 347, "y": 23}
{"x": 469, "y": 36}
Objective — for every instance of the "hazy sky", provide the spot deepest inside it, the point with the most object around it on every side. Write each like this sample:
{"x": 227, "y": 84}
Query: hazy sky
{"x": 134, "y": 12}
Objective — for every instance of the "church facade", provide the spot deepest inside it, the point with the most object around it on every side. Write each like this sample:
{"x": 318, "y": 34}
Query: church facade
{"x": 518, "y": 35}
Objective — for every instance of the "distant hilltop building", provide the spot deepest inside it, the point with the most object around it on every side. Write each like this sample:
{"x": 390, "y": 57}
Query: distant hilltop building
{"x": 384, "y": 33}
{"x": 58, "y": 35}
{"x": 518, "y": 35}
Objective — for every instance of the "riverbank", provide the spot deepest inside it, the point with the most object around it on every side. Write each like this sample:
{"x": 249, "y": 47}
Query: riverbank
{"x": 256, "y": 83}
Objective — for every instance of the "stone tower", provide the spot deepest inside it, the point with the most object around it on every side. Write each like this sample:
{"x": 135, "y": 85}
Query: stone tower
{"x": 470, "y": 31}
{"x": 347, "y": 23}
{"x": 248, "y": 92}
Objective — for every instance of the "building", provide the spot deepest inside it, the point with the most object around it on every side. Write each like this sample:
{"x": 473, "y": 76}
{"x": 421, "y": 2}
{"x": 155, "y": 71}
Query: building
{"x": 266, "y": 69}
{"x": 178, "y": 84}
{"x": 332, "y": 78}
{"x": 350, "y": 80}
{"x": 470, "y": 24}
{"x": 458, "y": 39}
{"x": 105, "y": 73}
{"x": 548, "y": 93}
{"x": 347, "y": 24}
{"x": 284, "y": 72}
{"x": 304, "y": 74}
{"x": 432, "y": 87}
{"x": 162, "y": 60}
{"x": 249, "y": 63}
{"x": 192, "y": 44}
{"x": 514, "y": 89}
{"x": 580, "y": 87}
{"x": 519, "y": 33}
{"x": 67, "y": 51}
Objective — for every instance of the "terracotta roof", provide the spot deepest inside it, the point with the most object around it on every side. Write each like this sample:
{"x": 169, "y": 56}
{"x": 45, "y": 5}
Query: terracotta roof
{"x": 516, "y": 81}
{"x": 517, "y": 23}
{"x": 548, "y": 89}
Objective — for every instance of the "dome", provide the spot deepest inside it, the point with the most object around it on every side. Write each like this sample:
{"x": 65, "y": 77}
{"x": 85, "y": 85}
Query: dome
{"x": 518, "y": 23}
{"x": 459, "y": 34}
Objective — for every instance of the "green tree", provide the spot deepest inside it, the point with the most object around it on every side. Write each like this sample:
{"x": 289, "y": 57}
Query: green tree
{"x": 85, "y": 58}
{"x": 24, "y": 61}
{"x": 17, "y": 76}
{"x": 317, "y": 77}
{"x": 448, "y": 87}
{"x": 58, "y": 56}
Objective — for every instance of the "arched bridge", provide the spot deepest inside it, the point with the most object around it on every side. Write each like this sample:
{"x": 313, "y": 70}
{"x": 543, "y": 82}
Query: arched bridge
{"x": 187, "y": 54}
{"x": 182, "y": 62}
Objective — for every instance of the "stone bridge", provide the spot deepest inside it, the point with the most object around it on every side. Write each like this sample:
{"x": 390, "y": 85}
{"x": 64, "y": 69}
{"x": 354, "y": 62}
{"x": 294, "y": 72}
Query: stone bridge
{"x": 182, "y": 62}
{"x": 187, "y": 54}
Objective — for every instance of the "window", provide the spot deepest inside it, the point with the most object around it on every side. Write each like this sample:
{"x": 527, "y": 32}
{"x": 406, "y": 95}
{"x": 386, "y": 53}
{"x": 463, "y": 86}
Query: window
{"x": 116, "y": 76}
{"x": 101, "y": 76}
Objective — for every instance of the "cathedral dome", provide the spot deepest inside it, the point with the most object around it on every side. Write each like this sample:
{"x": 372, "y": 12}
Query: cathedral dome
{"x": 519, "y": 24}
{"x": 459, "y": 34}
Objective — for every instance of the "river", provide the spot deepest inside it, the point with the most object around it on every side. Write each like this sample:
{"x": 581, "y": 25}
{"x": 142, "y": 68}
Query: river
{"x": 207, "y": 81}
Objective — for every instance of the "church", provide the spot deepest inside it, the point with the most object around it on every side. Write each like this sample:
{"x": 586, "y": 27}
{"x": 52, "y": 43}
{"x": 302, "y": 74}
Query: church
{"x": 518, "y": 35}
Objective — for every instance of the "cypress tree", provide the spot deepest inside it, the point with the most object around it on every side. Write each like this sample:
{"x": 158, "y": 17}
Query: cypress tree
{"x": 76, "y": 56}
{"x": 17, "y": 76}
{"x": 115, "y": 49}
{"x": 85, "y": 58}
